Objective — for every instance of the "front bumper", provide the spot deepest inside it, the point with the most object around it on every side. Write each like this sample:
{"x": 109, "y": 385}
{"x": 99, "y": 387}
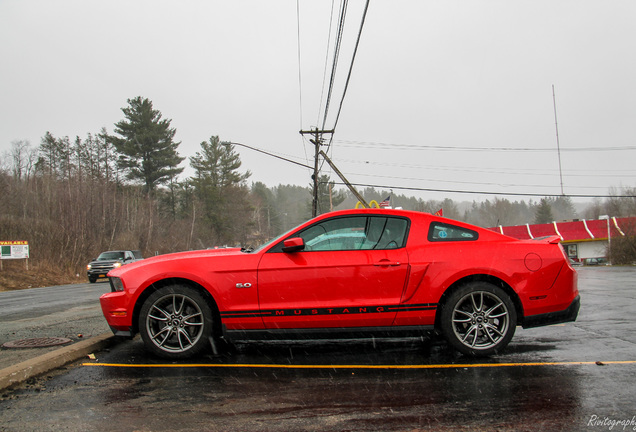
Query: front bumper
{"x": 567, "y": 315}
{"x": 116, "y": 307}
{"x": 98, "y": 273}
{"x": 128, "y": 334}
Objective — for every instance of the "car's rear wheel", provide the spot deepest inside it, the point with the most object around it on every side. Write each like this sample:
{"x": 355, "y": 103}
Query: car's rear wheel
{"x": 175, "y": 322}
{"x": 479, "y": 319}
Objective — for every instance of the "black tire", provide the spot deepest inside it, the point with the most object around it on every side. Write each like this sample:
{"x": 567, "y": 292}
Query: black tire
{"x": 92, "y": 279}
{"x": 176, "y": 322}
{"x": 478, "y": 319}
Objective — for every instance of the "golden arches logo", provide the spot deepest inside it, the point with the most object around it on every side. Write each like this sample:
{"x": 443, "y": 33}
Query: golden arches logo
{"x": 372, "y": 204}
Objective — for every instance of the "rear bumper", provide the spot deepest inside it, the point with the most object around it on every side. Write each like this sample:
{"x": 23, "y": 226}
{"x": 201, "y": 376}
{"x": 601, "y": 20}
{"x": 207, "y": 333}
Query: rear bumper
{"x": 566, "y": 315}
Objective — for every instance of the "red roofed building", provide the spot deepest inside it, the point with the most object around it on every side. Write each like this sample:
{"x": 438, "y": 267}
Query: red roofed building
{"x": 582, "y": 239}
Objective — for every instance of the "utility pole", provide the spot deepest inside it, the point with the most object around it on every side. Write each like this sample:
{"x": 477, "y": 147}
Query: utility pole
{"x": 346, "y": 182}
{"x": 317, "y": 141}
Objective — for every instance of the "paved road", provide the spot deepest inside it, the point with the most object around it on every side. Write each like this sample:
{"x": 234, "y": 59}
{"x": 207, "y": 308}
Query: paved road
{"x": 60, "y": 311}
{"x": 548, "y": 379}
{"x": 24, "y": 304}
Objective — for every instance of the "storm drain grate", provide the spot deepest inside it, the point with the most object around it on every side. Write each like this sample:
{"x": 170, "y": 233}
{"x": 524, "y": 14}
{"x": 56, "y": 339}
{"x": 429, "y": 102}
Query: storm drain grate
{"x": 40, "y": 342}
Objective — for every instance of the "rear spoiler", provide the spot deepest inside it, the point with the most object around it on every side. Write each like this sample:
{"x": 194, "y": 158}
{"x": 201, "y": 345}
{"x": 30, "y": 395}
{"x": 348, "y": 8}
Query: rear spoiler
{"x": 553, "y": 239}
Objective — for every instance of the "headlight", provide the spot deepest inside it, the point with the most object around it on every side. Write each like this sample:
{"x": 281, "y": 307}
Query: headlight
{"x": 116, "y": 265}
{"x": 88, "y": 266}
{"x": 116, "y": 284}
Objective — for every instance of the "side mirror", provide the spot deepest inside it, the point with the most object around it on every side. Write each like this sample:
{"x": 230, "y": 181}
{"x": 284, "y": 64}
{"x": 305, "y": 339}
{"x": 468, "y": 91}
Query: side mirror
{"x": 295, "y": 244}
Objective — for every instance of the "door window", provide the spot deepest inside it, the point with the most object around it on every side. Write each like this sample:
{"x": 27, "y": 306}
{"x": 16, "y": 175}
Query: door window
{"x": 356, "y": 233}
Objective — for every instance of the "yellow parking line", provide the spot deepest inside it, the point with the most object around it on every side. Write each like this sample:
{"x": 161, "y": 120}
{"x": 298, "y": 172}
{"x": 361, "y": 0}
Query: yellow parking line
{"x": 287, "y": 366}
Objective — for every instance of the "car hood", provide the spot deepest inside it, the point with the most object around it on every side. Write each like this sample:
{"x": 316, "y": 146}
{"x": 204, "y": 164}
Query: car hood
{"x": 205, "y": 253}
{"x": 105, "y": 261}
{"x": 177, "y": 256}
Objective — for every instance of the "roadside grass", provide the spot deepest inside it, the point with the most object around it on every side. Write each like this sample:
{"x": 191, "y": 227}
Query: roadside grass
{"x": 15, "y": 276}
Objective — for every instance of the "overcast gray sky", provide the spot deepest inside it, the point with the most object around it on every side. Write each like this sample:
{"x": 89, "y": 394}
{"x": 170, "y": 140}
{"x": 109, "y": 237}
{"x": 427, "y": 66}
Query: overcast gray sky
{"x": 449, "y": 95}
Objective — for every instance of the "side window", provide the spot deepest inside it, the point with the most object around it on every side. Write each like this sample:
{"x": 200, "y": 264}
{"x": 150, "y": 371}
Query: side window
{"x": 335, "y": 234}
{"x": 440, "y": 232}
{"x": 356, "y": 233}
{"x": 393, "y": 233}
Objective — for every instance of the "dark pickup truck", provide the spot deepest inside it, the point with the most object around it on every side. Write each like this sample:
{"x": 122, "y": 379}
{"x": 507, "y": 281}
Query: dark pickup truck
{"x": 106, "y": 261}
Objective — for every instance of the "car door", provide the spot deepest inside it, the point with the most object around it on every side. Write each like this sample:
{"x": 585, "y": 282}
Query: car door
{"x": 351, "y": 273}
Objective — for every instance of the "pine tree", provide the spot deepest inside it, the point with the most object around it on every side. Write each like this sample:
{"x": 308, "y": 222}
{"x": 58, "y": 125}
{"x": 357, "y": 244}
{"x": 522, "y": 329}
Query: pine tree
{"x": 543, "y": 213}
{"x": 217, "y": 164}
{"x": 145, "y": 145}
{"x": 328, "y": 197}
{"x": 49, "y": 159}
{"x": 221, "y": 189}
{"x": 563, "y": 208}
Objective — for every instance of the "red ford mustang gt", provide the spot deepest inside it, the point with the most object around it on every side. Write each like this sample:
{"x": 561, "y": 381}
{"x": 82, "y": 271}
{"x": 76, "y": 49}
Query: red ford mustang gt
{"x": 355, "y": 271}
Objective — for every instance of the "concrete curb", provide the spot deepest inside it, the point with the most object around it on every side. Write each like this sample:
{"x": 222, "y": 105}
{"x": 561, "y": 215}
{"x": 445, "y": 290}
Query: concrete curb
{"x": 21, "y": 372}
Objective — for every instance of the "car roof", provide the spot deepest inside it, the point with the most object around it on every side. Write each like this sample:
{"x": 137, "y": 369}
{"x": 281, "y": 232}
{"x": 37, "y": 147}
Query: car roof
{"x": 393, "y": 212}
{"x": 415, "y": 215}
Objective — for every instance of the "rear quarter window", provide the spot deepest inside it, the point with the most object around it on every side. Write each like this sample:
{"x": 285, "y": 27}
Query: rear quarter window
{"x": 442, "y": 232}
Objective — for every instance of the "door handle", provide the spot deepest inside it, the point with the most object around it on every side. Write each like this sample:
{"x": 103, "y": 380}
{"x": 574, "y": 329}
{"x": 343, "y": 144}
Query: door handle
{"x": 387, "y": 263}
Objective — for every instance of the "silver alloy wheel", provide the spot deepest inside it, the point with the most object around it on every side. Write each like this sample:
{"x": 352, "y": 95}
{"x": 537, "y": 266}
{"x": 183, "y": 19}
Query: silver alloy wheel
{"x": 175, "y": 323}
{"x": 480, "y": 320}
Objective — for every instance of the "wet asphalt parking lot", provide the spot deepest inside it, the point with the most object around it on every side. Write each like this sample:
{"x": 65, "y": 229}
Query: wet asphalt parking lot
{"x": 574, "y": 377}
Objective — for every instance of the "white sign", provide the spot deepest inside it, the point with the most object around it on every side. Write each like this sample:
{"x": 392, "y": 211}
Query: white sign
{"x": 15, "y": 249}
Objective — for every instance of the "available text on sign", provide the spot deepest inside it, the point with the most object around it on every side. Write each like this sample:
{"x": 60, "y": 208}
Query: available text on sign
{"x": 14, "y": 249}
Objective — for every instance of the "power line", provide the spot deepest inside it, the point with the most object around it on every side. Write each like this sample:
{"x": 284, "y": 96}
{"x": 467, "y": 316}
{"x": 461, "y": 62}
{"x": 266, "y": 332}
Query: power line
{"x": 471, "y": 182}
{"x": 346, "y": 87}
{"x": 486, "y": 192}
{"x": 270, "y": 154}
{"x": 281, "y": 157}
{"x": 514, "y": 171}
{"x": 300, "y": 86}
{"x": 324, "y": 73}
{"x": 353, "y": 58}
{"x": 300, "y": 82}
{"x": 454, "y": 191}
{"x": 336, "y": 55}
{"x": 389, "y": 146}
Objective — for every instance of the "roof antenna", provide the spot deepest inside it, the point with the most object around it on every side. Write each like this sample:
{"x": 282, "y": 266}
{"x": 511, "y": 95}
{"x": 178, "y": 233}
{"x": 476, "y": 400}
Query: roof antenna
{"x": 556, "y": 124}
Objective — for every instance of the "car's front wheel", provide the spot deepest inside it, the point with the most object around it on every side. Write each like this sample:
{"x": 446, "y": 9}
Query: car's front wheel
{"x": 175, "y": 322}
{"x": 479, "y": 319}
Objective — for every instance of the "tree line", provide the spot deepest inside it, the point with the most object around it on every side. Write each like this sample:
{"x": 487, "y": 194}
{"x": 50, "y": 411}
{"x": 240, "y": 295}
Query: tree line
{"x": 73, "y": 198}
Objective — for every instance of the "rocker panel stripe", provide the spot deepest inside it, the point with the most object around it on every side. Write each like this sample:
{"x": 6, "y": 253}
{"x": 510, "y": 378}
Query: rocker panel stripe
{"x": 328, "y": 311}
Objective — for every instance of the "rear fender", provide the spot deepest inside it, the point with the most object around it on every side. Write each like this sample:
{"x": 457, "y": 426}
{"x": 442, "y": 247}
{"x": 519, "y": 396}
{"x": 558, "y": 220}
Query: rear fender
{"x": 480, "y": 278}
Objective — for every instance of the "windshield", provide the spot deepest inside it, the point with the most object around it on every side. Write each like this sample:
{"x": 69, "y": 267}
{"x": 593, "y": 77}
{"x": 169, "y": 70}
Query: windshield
{"x": 108, "y": 256}
{"x": 274, "y": 240}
